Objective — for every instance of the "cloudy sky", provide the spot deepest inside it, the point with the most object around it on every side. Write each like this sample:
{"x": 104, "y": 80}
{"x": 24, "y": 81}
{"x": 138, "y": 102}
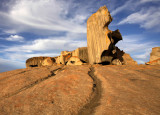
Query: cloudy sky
{"x": 31, "y": 28}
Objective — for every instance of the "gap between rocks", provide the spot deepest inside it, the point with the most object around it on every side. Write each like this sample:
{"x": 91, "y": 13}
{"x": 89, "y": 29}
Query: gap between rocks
{"x": 33, "y": 83}
{"x": 95, "y": 97}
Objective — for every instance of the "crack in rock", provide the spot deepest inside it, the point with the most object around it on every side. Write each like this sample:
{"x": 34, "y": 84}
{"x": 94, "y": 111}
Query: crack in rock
{"x": 32, "y": 84}
{"x": 95, "y": 97}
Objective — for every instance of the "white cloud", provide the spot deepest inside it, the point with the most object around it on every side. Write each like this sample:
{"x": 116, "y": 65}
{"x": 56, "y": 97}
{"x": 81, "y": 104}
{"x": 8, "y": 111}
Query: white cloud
{"x": 143, "y": 57}
{"x": 15, "y": 56}
{"x": 7, "y": 65}
{"x": 136, "y": 47}
{"x": 48, "y": 44}
{"x": 141, "y": 61}
{"x": 146, "y": 18}
{"x": 121, "y": 8}
{"x": 144, "y": 1}
{"x": 131, "y": 5}
{"x": 49, "y": 15}
{"x": 15, "y": 38}
{"x": 132, "y": 44}
{"x": 10, "y": 31}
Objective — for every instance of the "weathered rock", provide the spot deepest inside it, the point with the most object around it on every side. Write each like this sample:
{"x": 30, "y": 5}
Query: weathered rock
{"x": 123, "y": 57}
{"x": 100, "y": 40}
{"x": 39, "y": 61}
{"x": 116, "y": 62}
{"x": 47, "y": 62}
{"x": 64, "y": 57}
{"x": 74, "y": 61}
{"x": 155, "y": 62}
{"x": 45, "y": 91}
{"x": 81, "y": 53}
{"x": 154, "y": 56}
{"x": 65, "y": 90}
{"x": 127, "y": 60}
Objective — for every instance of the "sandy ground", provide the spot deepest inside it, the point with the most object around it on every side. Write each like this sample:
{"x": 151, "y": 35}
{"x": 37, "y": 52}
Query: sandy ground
{"x": 82, "y": 90}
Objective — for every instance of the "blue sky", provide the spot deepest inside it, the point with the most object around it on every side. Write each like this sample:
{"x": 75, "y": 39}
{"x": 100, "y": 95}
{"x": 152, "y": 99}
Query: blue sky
{"x": 31, "y": 28}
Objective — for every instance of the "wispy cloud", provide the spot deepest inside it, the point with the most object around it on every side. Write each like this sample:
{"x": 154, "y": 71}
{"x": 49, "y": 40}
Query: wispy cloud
{"x": 137, "y": 47}
{"x": 7, "y": 65}
{"x": 146, "y": 18}
{"x": 131, "y": 5}
{"x": 22, "y": 57}
{"x": 52, "y": 15}
{"x": 50, "y": 46}
{"x": 15, "y": 38}
{"x": 144, "y": 56}
{"x": 122, "y": 7}
{"x": 62, "y": 24}
{"x": 47, "y": 44}
{"x": 144, "y": 1}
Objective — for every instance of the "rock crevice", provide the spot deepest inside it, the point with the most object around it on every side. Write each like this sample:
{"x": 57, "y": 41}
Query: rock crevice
{"x": 53, "y": 73}
{"x": 95, "y": 96}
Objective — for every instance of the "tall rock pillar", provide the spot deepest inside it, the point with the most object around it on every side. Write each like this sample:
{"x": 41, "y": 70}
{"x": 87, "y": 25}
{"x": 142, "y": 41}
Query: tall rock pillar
{"x": 100, "y": 40}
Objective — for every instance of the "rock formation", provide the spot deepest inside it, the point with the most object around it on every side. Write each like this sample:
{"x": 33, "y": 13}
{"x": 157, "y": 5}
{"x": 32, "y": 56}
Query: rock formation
{"x": 64, "y": 57}
{"x": 39, "y": 61}
{"x": 154, "y": 56}
{"x": 100, "y": 40}
{"x": 84, "y": 89}
{"x": 127, "y": 60}
{"x": 48, "y": 62}
{"x": 100, "y": 48}
{"x": 74, "y": 61}
{"x": 82, "y": 54}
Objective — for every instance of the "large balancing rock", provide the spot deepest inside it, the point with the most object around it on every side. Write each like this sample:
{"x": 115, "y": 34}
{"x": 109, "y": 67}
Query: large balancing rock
{"x": 100, "y": 40}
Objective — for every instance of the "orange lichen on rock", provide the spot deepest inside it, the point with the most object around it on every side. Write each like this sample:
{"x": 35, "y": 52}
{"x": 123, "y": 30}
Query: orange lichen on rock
{"x": 154, "y": 62}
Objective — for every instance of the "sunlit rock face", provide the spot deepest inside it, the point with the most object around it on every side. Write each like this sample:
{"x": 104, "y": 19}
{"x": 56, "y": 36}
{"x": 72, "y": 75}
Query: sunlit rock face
{"x": 48, "y": 61}
{"x": 127, "y": 60}
{"x": 40, "y": 61}
{"x": 81, "y": 53}
{"x": 64, "y": 57}
{"x": 154, "y": 56}
{"x": 100, "y": 40}
{"x": 74, "y": 60}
